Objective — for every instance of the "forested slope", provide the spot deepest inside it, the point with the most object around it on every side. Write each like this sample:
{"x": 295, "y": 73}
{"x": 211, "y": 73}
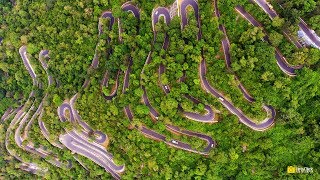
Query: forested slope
{"x": 69, "y": 31}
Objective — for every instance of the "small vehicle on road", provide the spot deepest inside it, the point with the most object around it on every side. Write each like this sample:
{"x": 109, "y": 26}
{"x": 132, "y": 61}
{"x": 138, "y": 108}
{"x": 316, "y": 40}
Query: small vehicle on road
{"x": 174, "y": 142}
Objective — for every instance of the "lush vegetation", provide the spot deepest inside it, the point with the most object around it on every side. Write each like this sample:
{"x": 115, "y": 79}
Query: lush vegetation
{"x": 69, "y": 30}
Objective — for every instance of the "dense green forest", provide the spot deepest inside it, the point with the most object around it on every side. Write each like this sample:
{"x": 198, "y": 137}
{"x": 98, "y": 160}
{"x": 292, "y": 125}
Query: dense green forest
{"x": 69, "y": 30}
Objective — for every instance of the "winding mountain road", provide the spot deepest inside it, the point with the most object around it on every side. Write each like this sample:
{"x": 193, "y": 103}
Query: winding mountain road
{"x": 9, "y": 112}
{"x": 95, "y": 61}
{"x": 79, "y": 141}
{"x": 309, "y": 33}
{"x": 105, "y": 81}
{"x": 210, "y": 142}
{"x": 21, "y": 116}
{"x": 179, "y": 144}
{"x": 266, "y": 8}
{"x": 74, "y": 118}
{"x": 29, "y": 147}
{"x": 26, "y": 62}
{"x": 98, "y": 135}
{"x": 281, "y": 61}
{"x": 209, "y": 117}
{"x": 156, "y": 14}
{"x": 27, "y": 122}
{"x": 136, "y": 12}
{"x": 105, "y": 15}
{"x": 226, "y": 51}
{"x": 266, "y": 124}
{"x": 43, "y": 57}
{"x": 183, "y": 14}
{"x": 262, "y": 126}
{"x": 80, "y": 144}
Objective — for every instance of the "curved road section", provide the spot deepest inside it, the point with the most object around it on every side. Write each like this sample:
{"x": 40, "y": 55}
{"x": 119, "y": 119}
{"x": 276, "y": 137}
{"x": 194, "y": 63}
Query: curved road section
{"x": 226, "y": 50}
{"x": 178, "y": 144}
{"x": 209, "y": 117}
{"x": 20, "y": 139}
{"x": 9, "y": 112}
{"x": 78, "y": 143}
{"x": 95, "y": 60}
{"x": 131, "y": 8}
{"x": 21, "y": 116}
{"x": 105, "y": 15}
{"x": 98, "y": 135}
{"x": 281, "y": 61}
{"x": 26, "y": 166}
{"x": 74, "y": 118}
{"x": 266, "y": 124}
{"x": 157, "y": 13}
{"x": 43, "y": 56}
{"x": 183, "y": 14}
{"x": 105, "y": 81}
{"x": 267, "y": 8}
{"x": 210, "y": 142}
{"x": 135, "y": 11}
{"x": 26, "y": 62}
{"x": 29, "y": 147}
{"x": 309, "y": 33}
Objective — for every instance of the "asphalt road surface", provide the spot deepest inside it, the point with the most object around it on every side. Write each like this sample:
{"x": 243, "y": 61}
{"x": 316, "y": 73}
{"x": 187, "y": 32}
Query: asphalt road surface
{"x": 157, "y": 13}
{"x": 267, "y": 8}
{"x": 281, "y": 61}
{"x": 308, "y": 32}
{"x": 267, "y": 123}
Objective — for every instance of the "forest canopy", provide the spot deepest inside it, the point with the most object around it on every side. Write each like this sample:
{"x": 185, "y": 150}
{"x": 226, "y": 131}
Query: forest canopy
{"x": 162, "y": 93}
